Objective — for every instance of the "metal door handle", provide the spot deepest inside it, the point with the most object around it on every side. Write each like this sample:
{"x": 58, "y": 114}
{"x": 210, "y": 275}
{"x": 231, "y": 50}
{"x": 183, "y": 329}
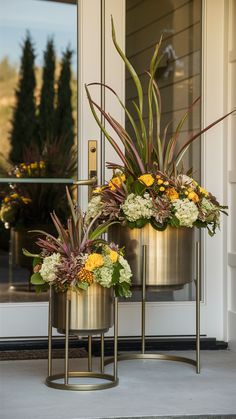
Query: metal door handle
{"x": 90, "y": 182}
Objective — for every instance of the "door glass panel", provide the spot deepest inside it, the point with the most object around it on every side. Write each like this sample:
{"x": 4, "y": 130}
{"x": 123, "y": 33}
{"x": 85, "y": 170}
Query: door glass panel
{"x": 178, "y": 77}
{"x": 38, "y": 130}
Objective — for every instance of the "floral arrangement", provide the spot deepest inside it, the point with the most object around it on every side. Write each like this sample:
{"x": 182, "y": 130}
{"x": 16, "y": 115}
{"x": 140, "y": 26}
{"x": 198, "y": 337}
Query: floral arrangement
{"x": 156, "y": 199}
{"x": 34, "y": 169}
{"x": 14, "y": 204}
{"x": 52, "y": 162}
{"x": 12, "y": 207}
{"x": 78, "y": 257}
{"x": 150, "y": 184}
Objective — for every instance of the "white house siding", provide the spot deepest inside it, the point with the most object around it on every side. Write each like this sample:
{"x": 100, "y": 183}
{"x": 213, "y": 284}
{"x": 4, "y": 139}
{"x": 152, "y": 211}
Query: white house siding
{"x": 232, "y": 176}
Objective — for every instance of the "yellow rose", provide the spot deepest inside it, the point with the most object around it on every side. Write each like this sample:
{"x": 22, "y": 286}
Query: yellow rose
{"x": 113, "y": 256}
{"x": 162, "y": 189}
{"x": 172, "y": 194}
{"x": 116, "y": 181}
{"x": 95, "y": 260}
{"x": 193, "y": 197}
{"x": 203, "y": 191}
{"x": 25, "y": 200}
{"x": 34, "y": 165}
{"x": 147, "y": 179}
{"x": 97, "y": 190}
{"x": 160, "y": 181}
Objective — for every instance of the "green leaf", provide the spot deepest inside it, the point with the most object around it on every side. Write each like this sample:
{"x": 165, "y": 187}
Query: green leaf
{"x": 123, "y": 290}
{"x": 141, "y": 222}
{"x": 138, "y": 187}
{"x": 41, "y": 288}
{"x": 129, "y": 67}
{"x": 36, "y": 279}
{"x": 29, "y": 254}
{"x": 101, "y": 230}
{"x": 37, "y": 261}
{"x": 158, "y": 226}
{"x": 83, "y": 285}
{"x": 116, "y": 273}
{"x": 131, "y": 224}
{"x": 174, "y": 222}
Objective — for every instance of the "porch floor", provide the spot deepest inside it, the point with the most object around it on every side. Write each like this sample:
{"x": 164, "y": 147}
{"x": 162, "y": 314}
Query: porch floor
{"x": 147, "y": 389}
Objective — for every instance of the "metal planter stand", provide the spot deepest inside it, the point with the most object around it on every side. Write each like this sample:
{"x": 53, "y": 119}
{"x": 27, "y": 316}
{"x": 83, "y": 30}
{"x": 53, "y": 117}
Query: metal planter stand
{"x": 52, "y": 380}
{"x": 143, "y": 355}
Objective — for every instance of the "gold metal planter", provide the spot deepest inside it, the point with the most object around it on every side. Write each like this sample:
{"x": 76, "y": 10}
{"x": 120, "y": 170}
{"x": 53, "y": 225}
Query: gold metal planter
{"x": 169, "y": 262}
{"x": 106, "y": 380}
{"x": 90, "y": 312}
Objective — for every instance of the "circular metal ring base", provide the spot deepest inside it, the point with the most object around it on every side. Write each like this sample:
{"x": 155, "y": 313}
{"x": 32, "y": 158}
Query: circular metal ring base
{"x": 112, "y": 382}
{"x": 79, "y": 332}
{"x": 152, "y": 356}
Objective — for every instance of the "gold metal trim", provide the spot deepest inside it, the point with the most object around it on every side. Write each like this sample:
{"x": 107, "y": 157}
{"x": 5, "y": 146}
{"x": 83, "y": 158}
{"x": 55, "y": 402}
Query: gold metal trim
{"x": 154, "y": 356}
{"x": 147, "y": 356}
{"x": 90, "y": 353}
{"x": 51, "y": 380}
{"x": 92, "y": 163}
{"x": 91, "y": 181}
{"x": 198, "y": 301}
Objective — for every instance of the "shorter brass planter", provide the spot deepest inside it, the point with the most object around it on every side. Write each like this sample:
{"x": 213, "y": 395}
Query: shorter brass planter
{"x": 169, "y": 263}
{"x": 90, "y": 312}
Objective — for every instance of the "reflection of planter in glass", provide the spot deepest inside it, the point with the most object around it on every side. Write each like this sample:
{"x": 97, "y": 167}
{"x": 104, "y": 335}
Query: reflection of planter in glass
{"x": 169, "y": 263}
{"x": 90, "y": 311}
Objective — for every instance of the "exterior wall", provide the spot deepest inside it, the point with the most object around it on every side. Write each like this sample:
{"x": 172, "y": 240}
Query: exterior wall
{"x": 231, "y": 183}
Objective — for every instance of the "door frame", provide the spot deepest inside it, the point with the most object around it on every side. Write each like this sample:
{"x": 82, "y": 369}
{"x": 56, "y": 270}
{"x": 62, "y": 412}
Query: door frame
{"x": 163, "y": 318}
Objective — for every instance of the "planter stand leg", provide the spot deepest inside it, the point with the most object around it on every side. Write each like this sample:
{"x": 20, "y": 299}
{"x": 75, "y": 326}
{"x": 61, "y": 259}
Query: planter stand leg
{"x": 50, "y": 332}
{"x": 67, "y": 341}
{"x": 89, "y": 353}
{"x": 102, "y": 354}
{"x": 198, "y": 301}
{"x": 115, "y": 338}
{"x": 144, "y": 270}
{"x": 111, "y": 380}
{"x": 143, "y": 355}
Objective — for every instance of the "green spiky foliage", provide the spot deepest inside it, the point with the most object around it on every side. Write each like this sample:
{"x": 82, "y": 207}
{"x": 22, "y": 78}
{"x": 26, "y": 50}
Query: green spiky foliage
{"x": 24, "y": 123}
{"x": 64, "y": 122}
{"x": 147, "y": 149}
{"x": 73, "y": 244}
{"x": 46, "y": 115}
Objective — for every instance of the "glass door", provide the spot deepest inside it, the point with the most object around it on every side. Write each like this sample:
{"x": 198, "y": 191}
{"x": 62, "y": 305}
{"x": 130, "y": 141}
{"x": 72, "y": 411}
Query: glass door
{"x": 169, "y": 312}
{"x": 180, "y": 78}
{"x": 39, "y": 148}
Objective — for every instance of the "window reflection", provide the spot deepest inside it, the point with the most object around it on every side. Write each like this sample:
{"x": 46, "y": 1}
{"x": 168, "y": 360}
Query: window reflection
{"x": 38, "y": 128}
{"x": 178, "y": 77}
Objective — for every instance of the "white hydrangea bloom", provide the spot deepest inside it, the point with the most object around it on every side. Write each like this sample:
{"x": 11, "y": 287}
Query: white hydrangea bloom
{"x": 94, "y": 207}
{"x": 103, "y": 276}
{"x": 207, "y": 205}
{"x": 49, "y": 267}
{"x": 136, "y": 207}
{"x": 125, "y": 273}
{"x": 186, "y": 212}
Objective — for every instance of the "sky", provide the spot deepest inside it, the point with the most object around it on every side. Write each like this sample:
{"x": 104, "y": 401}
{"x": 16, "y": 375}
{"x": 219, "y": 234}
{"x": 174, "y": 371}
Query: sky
{"x": 43, "y": 19}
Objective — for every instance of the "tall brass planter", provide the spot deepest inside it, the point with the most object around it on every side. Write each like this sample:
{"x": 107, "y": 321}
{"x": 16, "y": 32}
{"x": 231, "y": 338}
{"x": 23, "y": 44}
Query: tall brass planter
{"x": 90, "y": 312}
{"x": 169, "y": 259}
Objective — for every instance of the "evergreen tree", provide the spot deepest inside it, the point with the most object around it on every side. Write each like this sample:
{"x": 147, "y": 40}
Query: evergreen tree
{"x": 64, "y": 118}
{"x": 24, "y": 115}
{"x": 46, "y": 107}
